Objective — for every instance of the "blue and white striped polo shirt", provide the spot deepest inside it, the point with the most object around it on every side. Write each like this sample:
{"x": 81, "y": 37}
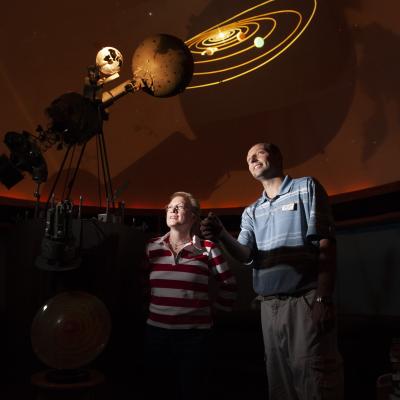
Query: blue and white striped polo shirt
{"x": 283, "y": 234}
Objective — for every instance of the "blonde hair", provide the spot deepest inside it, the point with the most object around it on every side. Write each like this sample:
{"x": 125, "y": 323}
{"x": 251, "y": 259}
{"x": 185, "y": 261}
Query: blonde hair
{"x": 194, "y": 203}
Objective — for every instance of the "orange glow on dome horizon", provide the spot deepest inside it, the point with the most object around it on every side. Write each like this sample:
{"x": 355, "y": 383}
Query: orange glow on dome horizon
{"x": 232, "y": 41}
{"x": 15, "y": 197}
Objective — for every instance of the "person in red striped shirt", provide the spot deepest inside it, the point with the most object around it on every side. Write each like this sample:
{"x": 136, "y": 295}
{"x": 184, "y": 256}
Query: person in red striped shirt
{"x": 180, "y": 265}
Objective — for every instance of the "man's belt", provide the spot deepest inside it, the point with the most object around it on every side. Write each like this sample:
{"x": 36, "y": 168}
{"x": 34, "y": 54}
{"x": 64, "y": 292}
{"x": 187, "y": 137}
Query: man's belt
{"x": 284, "y": 296}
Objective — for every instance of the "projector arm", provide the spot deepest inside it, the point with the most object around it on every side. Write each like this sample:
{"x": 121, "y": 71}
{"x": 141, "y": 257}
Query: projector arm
{"x": 108, "y": 97}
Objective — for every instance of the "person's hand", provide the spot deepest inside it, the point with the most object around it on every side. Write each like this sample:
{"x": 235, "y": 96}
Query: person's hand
{"x": 323, "y": 316}
{"x": 211, "y": 227}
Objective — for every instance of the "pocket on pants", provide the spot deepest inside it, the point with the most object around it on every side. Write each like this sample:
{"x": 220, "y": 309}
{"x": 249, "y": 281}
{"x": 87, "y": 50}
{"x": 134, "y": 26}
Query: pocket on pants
{"x": 307, "y": 300}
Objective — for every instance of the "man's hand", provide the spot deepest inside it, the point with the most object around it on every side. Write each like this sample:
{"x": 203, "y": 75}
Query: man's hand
{"x": 323, "y": 316}
{"x": 211, "y": 227}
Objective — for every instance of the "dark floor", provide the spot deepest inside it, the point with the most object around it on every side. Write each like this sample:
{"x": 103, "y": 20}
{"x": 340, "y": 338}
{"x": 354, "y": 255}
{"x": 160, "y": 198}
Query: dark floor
{"x": 238, "y": 367}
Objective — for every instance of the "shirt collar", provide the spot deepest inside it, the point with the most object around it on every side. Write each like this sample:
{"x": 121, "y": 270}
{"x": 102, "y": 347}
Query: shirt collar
{"x": 285, "y": 187}
{"x": 164, "y": 240}
{"x": 196, "y": 242}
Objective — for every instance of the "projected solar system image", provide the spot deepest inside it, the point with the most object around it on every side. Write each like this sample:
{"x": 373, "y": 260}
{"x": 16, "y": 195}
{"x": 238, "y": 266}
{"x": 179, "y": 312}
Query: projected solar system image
{"x": 316, "y": 77}
{"x": 247, "y": 41}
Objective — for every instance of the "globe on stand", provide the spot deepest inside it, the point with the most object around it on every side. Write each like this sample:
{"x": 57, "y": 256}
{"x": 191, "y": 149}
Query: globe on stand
{"x": 69, "y": 331}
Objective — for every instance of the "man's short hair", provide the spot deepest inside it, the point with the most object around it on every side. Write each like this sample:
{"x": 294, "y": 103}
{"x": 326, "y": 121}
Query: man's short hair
{"x": 274, "y": 150}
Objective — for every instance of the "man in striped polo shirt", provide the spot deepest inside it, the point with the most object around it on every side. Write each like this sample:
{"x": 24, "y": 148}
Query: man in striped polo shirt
{"x": 287, "y": 236}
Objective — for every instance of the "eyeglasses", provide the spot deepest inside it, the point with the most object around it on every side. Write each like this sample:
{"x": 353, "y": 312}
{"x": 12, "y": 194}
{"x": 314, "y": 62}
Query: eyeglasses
{"x": 176, "y": 208}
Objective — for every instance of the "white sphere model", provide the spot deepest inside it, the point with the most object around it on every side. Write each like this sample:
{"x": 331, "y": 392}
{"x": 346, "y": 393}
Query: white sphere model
{"x": 109, "y": 60}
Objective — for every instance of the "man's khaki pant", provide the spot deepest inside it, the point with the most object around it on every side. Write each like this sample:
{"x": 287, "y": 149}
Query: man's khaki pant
{"x": 301, "y": 365}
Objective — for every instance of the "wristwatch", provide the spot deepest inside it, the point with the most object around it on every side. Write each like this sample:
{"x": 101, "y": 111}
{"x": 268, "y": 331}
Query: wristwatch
{"x": 324, "y": 299}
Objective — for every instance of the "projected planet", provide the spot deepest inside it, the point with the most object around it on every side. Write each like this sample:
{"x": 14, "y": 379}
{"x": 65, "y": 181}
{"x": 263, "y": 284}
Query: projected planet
{"x": 70, "y": 330}
{"x": 164, "y": 64}
{"x": 247, "y": 41}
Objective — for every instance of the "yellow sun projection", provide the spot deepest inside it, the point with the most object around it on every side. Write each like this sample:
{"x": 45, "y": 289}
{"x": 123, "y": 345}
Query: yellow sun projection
{"x": 247, "y": 41}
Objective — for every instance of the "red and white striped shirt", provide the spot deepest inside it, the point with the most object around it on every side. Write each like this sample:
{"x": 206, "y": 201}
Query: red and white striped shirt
{"x": 179, "y": 286}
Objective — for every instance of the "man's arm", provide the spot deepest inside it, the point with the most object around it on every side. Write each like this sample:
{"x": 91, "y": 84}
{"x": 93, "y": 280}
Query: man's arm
{"x": 326, "y": 268}
{"x": 236, "y": 250}
{"x": 212, "y": 228}
{"x": 323, "y": 312}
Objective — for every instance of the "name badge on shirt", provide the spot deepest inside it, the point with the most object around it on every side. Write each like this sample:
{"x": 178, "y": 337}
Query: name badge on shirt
{"x": 289, "y": 207}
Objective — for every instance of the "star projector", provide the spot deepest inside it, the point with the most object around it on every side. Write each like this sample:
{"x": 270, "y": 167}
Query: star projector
{"x": 162, "y": 66}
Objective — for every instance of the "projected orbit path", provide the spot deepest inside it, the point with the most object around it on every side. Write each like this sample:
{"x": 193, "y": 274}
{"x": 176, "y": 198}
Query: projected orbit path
{"x": 247, "y": 41}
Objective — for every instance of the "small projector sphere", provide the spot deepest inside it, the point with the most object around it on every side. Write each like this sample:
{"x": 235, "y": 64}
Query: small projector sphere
{"x": 109, "y": 60}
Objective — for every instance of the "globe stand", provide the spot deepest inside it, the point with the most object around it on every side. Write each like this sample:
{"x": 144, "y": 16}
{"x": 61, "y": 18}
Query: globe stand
{"x": 87, "y": 389}
{"x": 68, "y": 375}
